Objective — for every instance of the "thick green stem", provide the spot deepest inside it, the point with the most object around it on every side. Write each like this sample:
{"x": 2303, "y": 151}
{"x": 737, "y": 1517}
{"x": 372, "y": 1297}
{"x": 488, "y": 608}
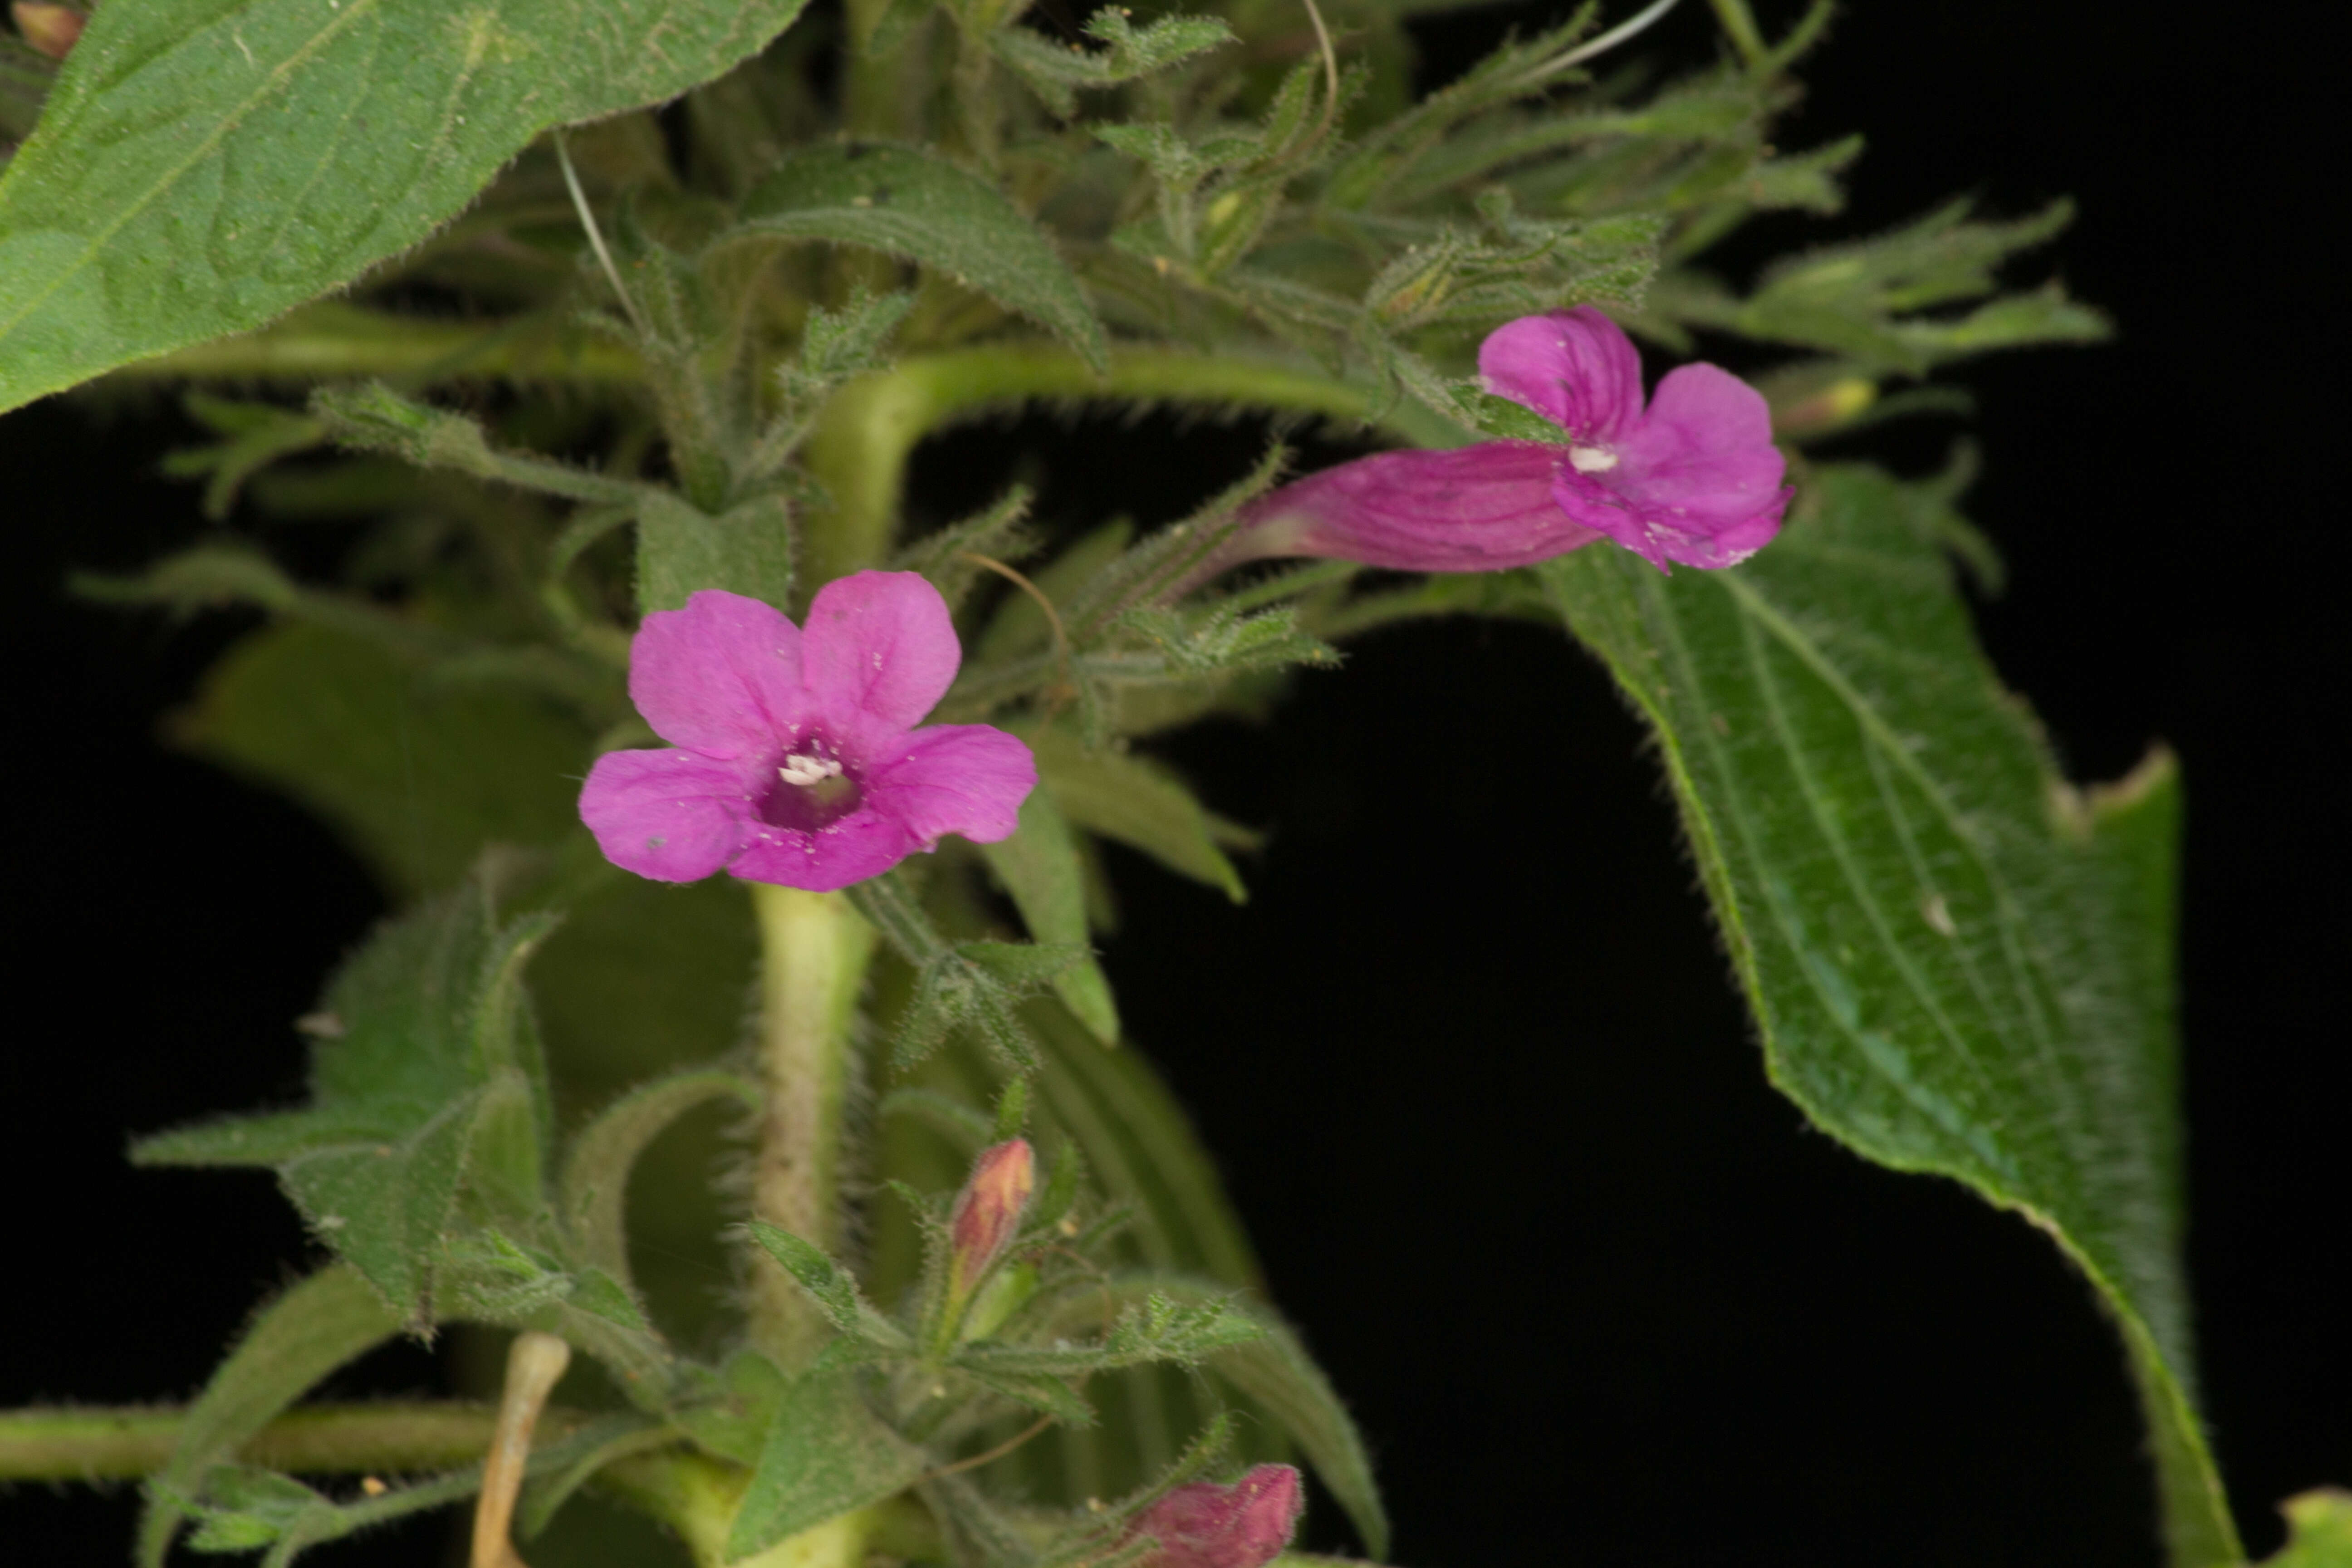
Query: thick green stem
{"x": 815, "y": 948}
{"x": 333, "y": 341}
{"x": 100, "y": 1443}
{"x": 861, "y": 443}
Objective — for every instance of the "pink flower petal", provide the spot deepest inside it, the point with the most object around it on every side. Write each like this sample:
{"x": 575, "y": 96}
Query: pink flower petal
{"x": 1575, "y": 368}
{"x": 968, "y": 779}
{"x": 721, "y": 676}
{"x": 1244, "y": 1525}
{"x": 879, "y": 651}
{"x": 1474, "y": 508}
{"x": 672, "y": 816}
{"x": 863, "y": 844}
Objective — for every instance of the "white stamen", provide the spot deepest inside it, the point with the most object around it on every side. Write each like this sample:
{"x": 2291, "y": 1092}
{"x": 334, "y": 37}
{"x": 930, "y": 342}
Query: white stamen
{"x": 1592, "y": 459}
{"x": 808, "y": 769}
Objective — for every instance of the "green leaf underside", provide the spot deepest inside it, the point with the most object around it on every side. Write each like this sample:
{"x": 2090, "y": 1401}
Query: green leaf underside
{"x": 1958, "y": 964}
{"x": 906, "y": 202}
{"x": 204, "y": 165}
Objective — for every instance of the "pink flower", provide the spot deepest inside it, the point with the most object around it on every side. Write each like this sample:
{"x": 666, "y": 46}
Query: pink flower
{"x": 796, "y": 758}
{"x": 1694, "y": 477}
{"x": 1244, "y": 1525}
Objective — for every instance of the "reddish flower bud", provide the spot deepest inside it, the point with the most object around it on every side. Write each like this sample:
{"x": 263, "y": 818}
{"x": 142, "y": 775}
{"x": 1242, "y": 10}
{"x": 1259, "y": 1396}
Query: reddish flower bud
{"x": 988, "y": 1210}
{"x": 1244, "y": 1525}
{"x": 52, "y": 29}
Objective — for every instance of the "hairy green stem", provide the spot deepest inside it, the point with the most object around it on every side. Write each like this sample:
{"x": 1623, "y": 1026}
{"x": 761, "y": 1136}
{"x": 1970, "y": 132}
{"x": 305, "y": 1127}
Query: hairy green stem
{"x": 118, "y": 1443}
{"x": 1740, "y": 22}
{"x": 814, "y": 951}
{"x": 334, "y": 341}
{"x": 861, "y": 443}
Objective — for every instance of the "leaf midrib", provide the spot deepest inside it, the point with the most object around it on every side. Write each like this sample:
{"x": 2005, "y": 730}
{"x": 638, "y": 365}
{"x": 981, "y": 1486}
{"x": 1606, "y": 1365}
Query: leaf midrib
{"x": 353, "y": 12}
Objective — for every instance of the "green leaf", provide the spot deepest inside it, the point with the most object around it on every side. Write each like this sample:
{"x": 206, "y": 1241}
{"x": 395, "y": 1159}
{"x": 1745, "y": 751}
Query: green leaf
{"x": 201, "y": 167}
{"x": 424, "y": 1061}
{"x": 419, "y": 776}
{"x": 906, "y": 202}
{"x": 1275, "y": 1372}
{"x": 827, "y": 1453}
{"x": 2320, "y": 1527}
{"x": 331, "y": 1318}
{"x": 596, "y": 1168}
{"x": 679, "y": 549}
{"x": 1122, "y": 796}
{"x": 1040, "y": 867}
{"x": 1958, "y": 964}
{"x": 830, "y": 1286}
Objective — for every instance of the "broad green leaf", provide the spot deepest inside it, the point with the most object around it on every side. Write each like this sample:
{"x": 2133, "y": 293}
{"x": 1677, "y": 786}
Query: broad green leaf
{"x": 1040, "y": 867}
{"x": 205, "y": 165}
{"x": 2320, "y": 1528}
{"x": 1122, "y": 796}
{"x": 423, "y": 1061}
{"x": 827, "y": 1453}
{"x": 331, "y": 1318}
{"x": 418, "y": 776}
{"x": 906, "y": 202}
{"x": 1958, "y": 964}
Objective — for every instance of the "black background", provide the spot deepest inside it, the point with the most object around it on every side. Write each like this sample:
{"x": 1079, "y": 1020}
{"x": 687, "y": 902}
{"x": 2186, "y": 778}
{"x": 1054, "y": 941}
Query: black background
{"x": 1470, "y": 1057}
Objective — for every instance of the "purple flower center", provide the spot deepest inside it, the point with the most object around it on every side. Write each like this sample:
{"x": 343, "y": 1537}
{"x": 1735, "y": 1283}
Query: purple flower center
{"x": 814, "y": 789}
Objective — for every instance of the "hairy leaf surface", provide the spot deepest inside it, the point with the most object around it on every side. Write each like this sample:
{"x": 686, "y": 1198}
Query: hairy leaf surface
{"x": 204, "y": 165}
{"x": 1959, "y": 964}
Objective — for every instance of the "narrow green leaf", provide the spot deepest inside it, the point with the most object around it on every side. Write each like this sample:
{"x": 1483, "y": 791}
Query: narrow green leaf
{"x": 906, "y": 202}
{"x": 1122, "y": 796}
{"x": 1959, "y": 965}
{"x": 827, "y": 1453}
{"x": 1040, "y": 867}
{"x": 596, "y": 1169}
{"x": 679, "y": 550}
{"x": 201, "y": 167}
{"x": 829, "y": 1285}
{"x": 330, "y": 1318}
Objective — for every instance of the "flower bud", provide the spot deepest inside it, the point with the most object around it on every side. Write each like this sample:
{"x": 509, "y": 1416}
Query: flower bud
{"x": 1244, "y": 1525}
{"x": 988, "y": 1212}
{"x": 52, "y": 29}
